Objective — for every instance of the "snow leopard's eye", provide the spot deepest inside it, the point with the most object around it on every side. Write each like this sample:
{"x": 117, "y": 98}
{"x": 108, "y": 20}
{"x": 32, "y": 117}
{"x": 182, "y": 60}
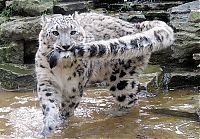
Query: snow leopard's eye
{"x": 56, "y": 33}
{"x": 72, "y": 32}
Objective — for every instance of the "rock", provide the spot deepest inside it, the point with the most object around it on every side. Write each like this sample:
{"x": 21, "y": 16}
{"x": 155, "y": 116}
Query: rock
{"x": 187, "y": 32}
{"x": 99, "y": 11}
{"x": 2, "y": 4}
{"x": 105, "y": 3}
{"x": 26, "y": 28}
{"x": 135, "y": 6}
{"x": 157, "y": 15}
{"x": 154, "y": 6}
{"x": 179, "y": 78}
{"x": 181, "y": 12}
{"x": 31, "y": 7}
{"x": 16, "y": 78}
{"x": 132, "y": 16}
{"x": 3, "y": 19}
{"x": 163, "y": 58}
{"x": 196, "y": 56}
{"x": 149, "y": 79}
{"x": 30, "y": 49}
{"x": 198, "y": 112}
{"x": 170, "y": 79}
{"x": 118, "y": 7}
{"x": 194, "y": 16}
{"x": 69, "y": 7}
{"x": 12, "y": 53}
{"x": 69, "y": 0}
{"x": 175, "y": 113}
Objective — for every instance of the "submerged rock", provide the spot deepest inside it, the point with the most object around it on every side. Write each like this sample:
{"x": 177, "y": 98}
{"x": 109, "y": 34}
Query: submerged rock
{"x": 175, "y": 113}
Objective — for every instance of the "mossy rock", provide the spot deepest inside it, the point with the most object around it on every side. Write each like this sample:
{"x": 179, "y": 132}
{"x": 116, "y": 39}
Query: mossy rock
{"x": 157, "y": 15}
{"x": 147, "y": 6}
{"x": 179, "y": 78}
{"x": 26, "y": 28}
{"x": 148, "y": 80}
{"x": 194, "y": 16}
{"x": 3, "y": 19}
{"x": 32, "y": 7}
{"x": 66, "y": 8}
{"x": 152, "y": 69}
{"x": 16, "y": 78}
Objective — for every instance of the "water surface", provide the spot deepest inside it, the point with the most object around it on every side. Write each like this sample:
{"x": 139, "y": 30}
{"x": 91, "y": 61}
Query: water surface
{"x": 20, "y": 116}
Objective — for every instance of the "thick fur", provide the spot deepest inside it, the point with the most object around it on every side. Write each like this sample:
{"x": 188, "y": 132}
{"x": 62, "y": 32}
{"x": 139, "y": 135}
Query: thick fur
{"x": 74, "y": 49}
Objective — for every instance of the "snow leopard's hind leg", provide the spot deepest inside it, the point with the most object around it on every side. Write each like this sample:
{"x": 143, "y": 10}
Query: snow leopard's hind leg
{"x": 123, "y": 82}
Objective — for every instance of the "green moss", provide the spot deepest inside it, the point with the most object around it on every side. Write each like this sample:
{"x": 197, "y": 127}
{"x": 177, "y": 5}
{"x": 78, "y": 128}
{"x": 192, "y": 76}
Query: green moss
{"x": 152, "y": 69}
{"x": 144, "y": 79}
{"x": 194, "y": 16}
{"x": 15, "y": 69}
{"x": 7, "y": 12}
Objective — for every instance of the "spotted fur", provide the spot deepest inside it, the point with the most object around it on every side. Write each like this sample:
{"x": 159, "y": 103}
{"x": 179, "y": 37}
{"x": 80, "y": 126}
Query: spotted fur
{"x": 76, "y": 49}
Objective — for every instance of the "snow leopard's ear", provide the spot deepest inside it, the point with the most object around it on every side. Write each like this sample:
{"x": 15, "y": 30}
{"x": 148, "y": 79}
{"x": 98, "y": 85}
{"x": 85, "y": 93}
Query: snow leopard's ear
{"x": 44, "y": 20}
{"x": 75, "y": 15}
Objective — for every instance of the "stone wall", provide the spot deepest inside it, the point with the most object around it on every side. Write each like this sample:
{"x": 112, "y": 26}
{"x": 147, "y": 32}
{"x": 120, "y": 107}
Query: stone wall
{"x": 20, "y": 26}
{"x": 19, "y": 29}
{"x": 185, "y": 21}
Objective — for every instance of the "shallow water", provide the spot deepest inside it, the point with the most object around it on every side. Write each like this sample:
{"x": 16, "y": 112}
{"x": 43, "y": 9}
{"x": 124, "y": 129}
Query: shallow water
{"x": 20, "y": 116}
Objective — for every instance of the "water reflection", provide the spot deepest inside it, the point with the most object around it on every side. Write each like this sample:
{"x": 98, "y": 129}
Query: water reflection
{"x": 20, "y": 116}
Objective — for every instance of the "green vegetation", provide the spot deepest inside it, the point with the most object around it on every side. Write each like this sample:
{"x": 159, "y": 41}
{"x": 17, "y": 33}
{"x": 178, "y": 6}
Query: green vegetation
{"x": 194, "y": 16}
{"x": 15, "y": 69}
{"x": 152, "y": 69}
{"x": 7, "y": 12}
{"x": 145, "y": 79}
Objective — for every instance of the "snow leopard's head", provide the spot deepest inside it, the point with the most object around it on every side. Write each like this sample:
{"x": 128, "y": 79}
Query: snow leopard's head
{"x": 61, "y": 31}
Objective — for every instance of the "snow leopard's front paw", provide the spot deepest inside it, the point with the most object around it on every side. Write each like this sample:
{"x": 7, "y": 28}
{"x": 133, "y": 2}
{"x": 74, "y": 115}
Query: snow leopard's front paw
{"x": 53, "y": 58}
{"x": 50, "y": 126}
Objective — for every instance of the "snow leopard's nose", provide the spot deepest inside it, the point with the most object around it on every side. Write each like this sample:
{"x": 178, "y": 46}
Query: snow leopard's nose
{"x": 66, "y": 47}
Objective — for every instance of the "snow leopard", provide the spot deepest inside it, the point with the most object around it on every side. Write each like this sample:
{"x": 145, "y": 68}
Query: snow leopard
{"x": 73, "y": 49}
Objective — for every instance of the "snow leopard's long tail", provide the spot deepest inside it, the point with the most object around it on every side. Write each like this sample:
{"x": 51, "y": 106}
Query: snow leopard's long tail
{"x": 156, "y": 38}
{"x": 155, "y": 35}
